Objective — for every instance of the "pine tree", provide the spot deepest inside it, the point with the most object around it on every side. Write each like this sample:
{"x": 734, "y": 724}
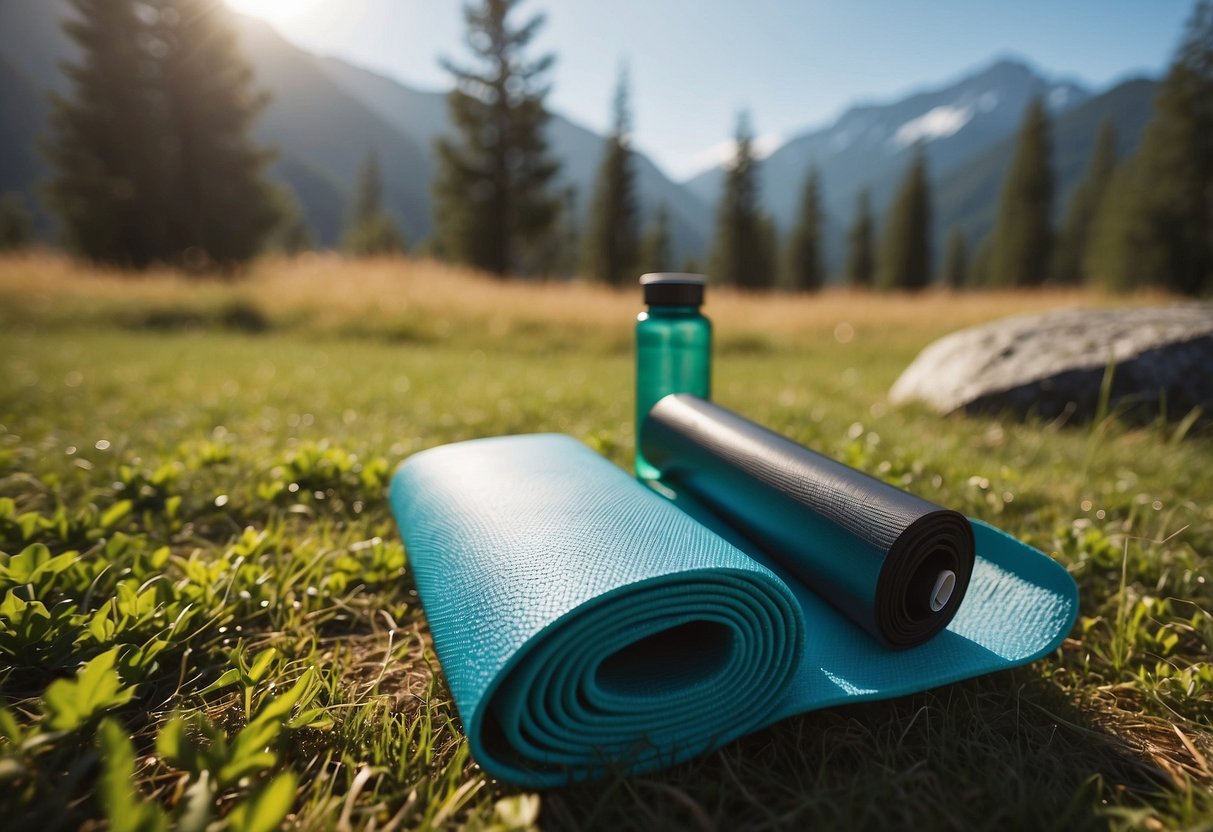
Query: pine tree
{"x": 222, "y": 206}
{"x": 111, "y": 187}
{"x": 656, "y": 253}
{"x": 955, "y": 272}
{"x": 295, "y": 236}
{"x": 16, "y": 223}
{"x": 768, "y": 250}
{"x": 368, "y": 198}
{"x": 492, "y": 191}
{"x": 1084, "y": 204}
{"x": 292, "y": 235}
{"x": 613, "y": 239}
{"x": 371, "y": 231}
{"x": 979, "y": 269}
{"x": 861, "y": 259}
{"x": 742, "y": 255}
{"x": 905, "y": 249}
{"x": 153, "y": 156}
{"x": 805, "y": 270}
{"x": 566, "y": 240}
{"x": 1155, "y": 225}
{"x": 1023, "y": 232}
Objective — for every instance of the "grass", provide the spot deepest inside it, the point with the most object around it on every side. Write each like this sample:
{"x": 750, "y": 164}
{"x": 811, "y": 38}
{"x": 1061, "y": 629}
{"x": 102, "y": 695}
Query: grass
{"x": 203, "y": 593}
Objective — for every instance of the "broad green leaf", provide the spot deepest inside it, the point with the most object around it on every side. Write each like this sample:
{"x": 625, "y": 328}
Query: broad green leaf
{"x": 159, "y": 558}
{"x": 101, "y": 627}
{"x": 70, "y": 703}
{"x": 205, "y": 750}
{"x": 279, "y": 707}
{"x": 255, "y": 737}
{"x": 226, "y": 679}
{"x": 198, "y": 803}
{"x": 10, "y": 730}
{"x": 114, "y": 514}
{"x": 262, "y": 663}
{"x": 265, "y": 810}
{"x": 315, "y": 718}
{"x": 246, "y": 765}
{"x": 124, "y": 807}
{"x": 171, "y": 740}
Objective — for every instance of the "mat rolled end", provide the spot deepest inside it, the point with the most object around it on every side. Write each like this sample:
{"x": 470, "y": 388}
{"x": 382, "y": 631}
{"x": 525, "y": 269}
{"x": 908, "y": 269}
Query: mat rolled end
{"x": 641, "y": 680}
{"x": 924, "y": 579}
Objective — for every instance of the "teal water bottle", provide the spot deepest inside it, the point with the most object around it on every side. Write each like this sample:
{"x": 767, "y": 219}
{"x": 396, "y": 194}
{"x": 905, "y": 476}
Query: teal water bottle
{"x": 673, "y": 347}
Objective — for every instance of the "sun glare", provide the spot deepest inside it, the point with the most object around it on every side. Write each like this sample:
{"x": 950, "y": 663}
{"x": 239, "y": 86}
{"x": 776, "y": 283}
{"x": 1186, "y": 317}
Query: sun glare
{"x": 274, "y": 9}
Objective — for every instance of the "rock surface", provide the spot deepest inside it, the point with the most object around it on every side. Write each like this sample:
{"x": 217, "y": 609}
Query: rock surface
{"x": 1053, "y": 365}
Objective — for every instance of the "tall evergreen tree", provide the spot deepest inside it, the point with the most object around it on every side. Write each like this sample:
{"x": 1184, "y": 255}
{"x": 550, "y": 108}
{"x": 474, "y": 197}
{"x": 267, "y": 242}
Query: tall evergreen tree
{"x": 371, "y": 232}
{"x": 768, "y": 250}
{"x": 492, "y": 192}
{"x": 742, "y": 254}
{"x": 368, "y": 198}
{"x": 656, "y": 247}
{"x": 292, "y": 235}
{"x": 979, "y": 269}
{"x": 1084, "y": 204}
{"x": 565, "y": 255}
{"x": 861, "y": 256}
{"x": 905, "y": 248}
{"x": 612, "y": 242}
{"x": 1155, "y": 225}
{"x": 955, "y": 273}
{"x": 111, "y": 188}
{"x": 1023, "y": 232}
{"x": 16, "y": 224}
{"x": 221, "y": 204}
{"x": 152, "y": 150}
{"x": 805, "y": 269}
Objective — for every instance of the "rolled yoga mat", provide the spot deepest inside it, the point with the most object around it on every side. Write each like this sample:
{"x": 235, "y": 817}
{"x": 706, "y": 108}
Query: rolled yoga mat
{"x": 587, "y": 624}
{"x": 895, "y": 564}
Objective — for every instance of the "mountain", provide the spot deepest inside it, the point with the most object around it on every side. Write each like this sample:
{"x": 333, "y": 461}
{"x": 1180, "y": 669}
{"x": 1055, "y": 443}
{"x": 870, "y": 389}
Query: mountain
{"x": 324, "y": 135}
{"x": 324, "y": 116}
{"x": 22, "y": 110}
{"x": 967, "y": 195}
{"x": 870, "y": 144}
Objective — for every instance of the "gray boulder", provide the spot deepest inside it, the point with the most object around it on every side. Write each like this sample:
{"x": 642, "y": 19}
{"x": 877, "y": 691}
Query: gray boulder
{"x": 1053, "y": 365}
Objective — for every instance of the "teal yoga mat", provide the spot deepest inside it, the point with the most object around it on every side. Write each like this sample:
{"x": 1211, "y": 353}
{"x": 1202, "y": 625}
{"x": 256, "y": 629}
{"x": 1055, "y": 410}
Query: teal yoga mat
{"x": 589, "y": 624}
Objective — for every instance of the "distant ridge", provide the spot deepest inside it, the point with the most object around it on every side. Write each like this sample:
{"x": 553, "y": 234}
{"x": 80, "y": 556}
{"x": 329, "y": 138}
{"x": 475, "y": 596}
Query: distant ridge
{"x": 327, "y": 113}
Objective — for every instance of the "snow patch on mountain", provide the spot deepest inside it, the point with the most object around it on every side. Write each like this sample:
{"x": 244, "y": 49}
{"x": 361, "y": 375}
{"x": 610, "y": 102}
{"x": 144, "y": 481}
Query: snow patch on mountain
{"x": 938, "y": 123}
{"x": 723, "y": 153}
{"x": 1059, "y": 97}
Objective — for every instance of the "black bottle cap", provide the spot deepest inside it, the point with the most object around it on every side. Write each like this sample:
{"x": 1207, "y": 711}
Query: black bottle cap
{"x": 673, "y": 289}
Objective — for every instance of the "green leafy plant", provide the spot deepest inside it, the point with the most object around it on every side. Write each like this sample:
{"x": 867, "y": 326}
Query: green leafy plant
{"x": 74, "y": 703}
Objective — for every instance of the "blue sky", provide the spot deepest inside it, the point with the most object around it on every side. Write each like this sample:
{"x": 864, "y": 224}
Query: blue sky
{"x": 794, "y": 64}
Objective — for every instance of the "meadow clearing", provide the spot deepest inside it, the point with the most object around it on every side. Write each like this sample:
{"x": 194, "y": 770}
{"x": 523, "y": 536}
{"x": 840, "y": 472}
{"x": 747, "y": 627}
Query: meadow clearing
{"x": 192, "y": 504}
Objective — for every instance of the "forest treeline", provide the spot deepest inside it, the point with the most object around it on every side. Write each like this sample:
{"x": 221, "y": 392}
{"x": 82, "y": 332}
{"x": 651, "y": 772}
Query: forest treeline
{"x": 154, "y": 162}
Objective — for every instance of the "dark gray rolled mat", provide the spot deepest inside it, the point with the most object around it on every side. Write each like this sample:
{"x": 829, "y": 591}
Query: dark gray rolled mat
{"x": 892, "y": 562}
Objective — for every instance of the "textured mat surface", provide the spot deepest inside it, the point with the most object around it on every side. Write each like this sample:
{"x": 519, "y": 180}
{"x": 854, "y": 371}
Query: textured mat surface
{"x": 876, "y": 552}
{"x": 586, "y": 623}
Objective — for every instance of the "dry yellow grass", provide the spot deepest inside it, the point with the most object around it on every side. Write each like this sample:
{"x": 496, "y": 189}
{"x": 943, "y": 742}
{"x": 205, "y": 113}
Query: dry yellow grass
{"x": 329, "y": 292}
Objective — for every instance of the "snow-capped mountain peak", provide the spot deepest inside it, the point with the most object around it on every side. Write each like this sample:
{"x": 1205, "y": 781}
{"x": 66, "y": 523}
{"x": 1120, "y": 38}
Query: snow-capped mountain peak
{"x": 937, "y": 123}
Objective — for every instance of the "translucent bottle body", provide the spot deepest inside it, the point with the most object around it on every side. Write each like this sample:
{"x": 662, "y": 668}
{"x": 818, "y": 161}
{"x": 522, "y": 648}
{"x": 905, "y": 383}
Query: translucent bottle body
{"x": 673, "y": 355}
